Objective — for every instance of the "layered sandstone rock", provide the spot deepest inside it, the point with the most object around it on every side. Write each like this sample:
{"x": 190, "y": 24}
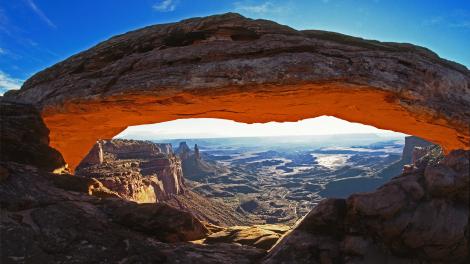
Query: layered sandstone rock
{"x": 50, "y": 218}
{"x": 420, "y": 216}
{"x": 139, "y": 171}
{"x": 229, "y": 66}
{"x": 260, "y": 236}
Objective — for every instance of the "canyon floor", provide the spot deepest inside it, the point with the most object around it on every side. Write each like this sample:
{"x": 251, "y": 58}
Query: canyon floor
{"x": 279, "y": 180}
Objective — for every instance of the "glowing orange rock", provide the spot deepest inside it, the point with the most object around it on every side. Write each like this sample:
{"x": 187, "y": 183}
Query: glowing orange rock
{"x": 231, "y": 67}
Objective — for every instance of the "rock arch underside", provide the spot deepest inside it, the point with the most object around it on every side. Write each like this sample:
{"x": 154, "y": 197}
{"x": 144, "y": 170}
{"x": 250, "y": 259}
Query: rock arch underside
{"x": 228, "y": 66}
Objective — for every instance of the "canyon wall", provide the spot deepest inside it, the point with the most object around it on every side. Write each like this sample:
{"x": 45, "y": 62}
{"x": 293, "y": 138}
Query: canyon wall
{"x": 42, "y": 221}
{"x": 228, "y": 66}
{"x": 140, "y": 171}
{"x": 420, "y": 216}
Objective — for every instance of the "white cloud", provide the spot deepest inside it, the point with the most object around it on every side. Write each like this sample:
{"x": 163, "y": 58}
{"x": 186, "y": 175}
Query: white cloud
{"x": 8, "y": 83}
{"x": 165, "y": 6}
{"x": 41, "y": 14}
{"x": 263, "y": 8}
{"x": 2, "y": 51}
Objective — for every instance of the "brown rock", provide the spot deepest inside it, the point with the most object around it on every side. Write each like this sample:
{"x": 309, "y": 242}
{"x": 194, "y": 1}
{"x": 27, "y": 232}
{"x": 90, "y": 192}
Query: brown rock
{"x": 228, "y": 66}
{"x": 42, "y": 223}
{"x": 418, "y": 217}
{"x": 259, "y": 236}
{"x": 22, "y": 126}
{"x": 137, "y": 170}
{"x": 46, "y": 224}
{"x": 162, "y": 221}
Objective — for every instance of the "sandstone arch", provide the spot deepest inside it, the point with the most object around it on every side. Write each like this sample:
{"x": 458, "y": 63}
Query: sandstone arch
{"x": 228, "y": 66}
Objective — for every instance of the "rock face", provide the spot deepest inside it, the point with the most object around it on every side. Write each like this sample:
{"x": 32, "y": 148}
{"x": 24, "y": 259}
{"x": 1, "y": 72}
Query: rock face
{"x": 413, "y": 146}
{"x": 260, "y": 236}
{"x": 50, "y": 218}
{"x": 228, "y": 66}
{"x": 420, "y": 216}
{"x": 140, "y": 171}
{"x": 194, "y": 166}
{"x": 147, "y": 172}
{"x": 25, "y": 139}
{"x": 207, "y": 209}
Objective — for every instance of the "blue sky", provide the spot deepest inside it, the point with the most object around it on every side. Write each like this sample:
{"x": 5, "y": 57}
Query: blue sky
{"x": 35, "y": 34}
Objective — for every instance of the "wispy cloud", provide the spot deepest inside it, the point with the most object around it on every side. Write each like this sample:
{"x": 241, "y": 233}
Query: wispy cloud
{"x": 262, "y": 8}
{"x": 461, "y": 24}
{"x": 40, "y": 14}
{"x": 8, "y": 83}
{"x": 455, "y": 19}
{"x": 2, "y": 51}
{"x": 165, "y": 6}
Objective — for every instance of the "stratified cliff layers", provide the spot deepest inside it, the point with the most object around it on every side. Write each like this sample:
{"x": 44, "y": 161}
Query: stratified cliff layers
{"x": 147, "y": 172}
{"x": 139, "y": 171}
{"x": 229, "y": 66}
{"x": 52, "y": 218}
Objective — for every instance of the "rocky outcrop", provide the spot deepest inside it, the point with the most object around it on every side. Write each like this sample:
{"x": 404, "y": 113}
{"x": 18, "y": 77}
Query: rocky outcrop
{"x": 259, "y": 236}
{"x": 228, "y": 66}
{"x": 194, "y": 166}
{"x": 147, "y": 172}
{"x": 25, "y": 139}
{"x": 41, "y": 223}
{"x": 413, "y": 149}
{"x": 51, "y": 218}
{"x": 420, "y": 216}
{"x": 208, "y": 209}
{"x": 139, "y": 171}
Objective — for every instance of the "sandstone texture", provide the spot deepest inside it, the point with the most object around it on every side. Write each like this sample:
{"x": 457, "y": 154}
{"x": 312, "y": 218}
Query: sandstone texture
{"x": 259, "y": 236}
{"x": 52, "y": 218}
{"x": 421, "y": 216}
{"x": 147, "y": 172}
{"x": 25, "y": 138}
{"x": 139, "y": 171}
{"x": 229, "y": 66}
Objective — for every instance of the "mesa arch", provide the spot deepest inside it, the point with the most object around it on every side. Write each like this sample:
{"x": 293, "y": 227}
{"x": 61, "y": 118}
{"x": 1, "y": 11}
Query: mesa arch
{"x": 228, "y": 66}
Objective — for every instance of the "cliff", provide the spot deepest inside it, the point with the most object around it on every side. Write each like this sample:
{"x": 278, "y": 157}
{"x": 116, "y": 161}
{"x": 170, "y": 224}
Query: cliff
{"x": 25, "y": 138}
{"x": 420, "y": 216}
{"x": 412, "y": 147}
{"x": 51, "y": 218}
{"x": 139, "y": 171}
{"x": 194, "y": 166}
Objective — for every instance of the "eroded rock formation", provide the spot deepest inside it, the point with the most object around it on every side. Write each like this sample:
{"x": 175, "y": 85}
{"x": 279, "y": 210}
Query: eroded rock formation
{"x": 421, "y": 216}
{"x": 140, "y": 171}
{"x": 25, "y": 138}
{"x": 228, "y": 66}
{"x": 147, "y": 172}
{"x": 194, "y": 166}
{"x": 51, "y": 218}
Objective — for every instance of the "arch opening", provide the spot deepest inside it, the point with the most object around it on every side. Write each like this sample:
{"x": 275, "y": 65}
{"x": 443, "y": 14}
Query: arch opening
{"x": 75, "y": 126}
{"x": 262, "y": 173}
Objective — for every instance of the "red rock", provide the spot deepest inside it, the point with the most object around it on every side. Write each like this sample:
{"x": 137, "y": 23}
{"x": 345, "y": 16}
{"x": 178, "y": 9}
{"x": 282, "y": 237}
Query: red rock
{"x": 228, "y": 66}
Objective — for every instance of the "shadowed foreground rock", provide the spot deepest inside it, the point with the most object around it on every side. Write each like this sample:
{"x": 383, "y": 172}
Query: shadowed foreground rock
{"x": 421, "y": 216}
{"x": 42, "y": 223}
{"x": 25, "y": 139}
